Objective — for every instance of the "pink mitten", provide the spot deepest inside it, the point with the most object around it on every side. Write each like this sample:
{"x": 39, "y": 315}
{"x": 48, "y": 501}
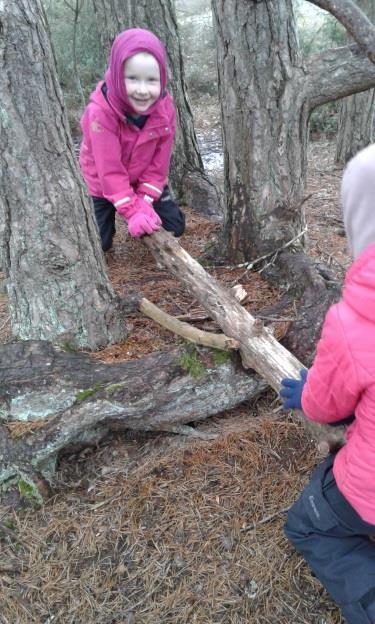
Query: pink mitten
{"x": 146, "y": 206}
{"x": 140, "y": 224}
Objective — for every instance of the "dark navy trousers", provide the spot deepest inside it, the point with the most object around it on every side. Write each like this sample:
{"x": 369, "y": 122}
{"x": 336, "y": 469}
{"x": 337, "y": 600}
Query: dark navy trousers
{"x": 336, "y": 543}
{"x": 172, "y": 218}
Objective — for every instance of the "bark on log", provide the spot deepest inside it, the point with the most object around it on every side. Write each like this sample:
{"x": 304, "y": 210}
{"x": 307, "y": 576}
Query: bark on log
{"x": 50, "y": 398}
{"x": 258, "y": 348}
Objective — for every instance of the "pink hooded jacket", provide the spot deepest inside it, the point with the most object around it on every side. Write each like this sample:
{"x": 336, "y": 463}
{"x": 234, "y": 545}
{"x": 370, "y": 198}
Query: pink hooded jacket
{"x": 117, "y": 158}
{"x": 341, "y": 380}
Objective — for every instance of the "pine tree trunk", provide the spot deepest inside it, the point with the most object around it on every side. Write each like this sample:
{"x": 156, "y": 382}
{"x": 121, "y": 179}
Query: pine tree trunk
{"x": 356, "y": 125}
{"x": 264, "y": 119}
{"x": 58, "y": 288}
{"x": 357, "y": 113}
{"x": 267, "y": 96}
{"x": 188, "y": 179}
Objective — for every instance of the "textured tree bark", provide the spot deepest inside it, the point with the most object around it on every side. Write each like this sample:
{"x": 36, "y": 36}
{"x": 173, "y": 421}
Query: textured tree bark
{"x": 356, "y": 125}
{"x": 266, "y": 96}
{"x": 58, "y": 287}
{"x": 264, "y": 120}
{"x": 187, "y": 176}
{"x": 51, "y": 399}
{"x": 356, "y": 120}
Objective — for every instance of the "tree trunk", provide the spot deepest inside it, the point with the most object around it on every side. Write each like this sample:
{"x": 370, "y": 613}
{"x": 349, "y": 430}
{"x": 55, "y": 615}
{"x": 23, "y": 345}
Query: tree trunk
{"x": 58, "y": 288}
{"x": 187, "y": 176}
{"x": 264, "y": 119}
{"x": 266, "y": 98}
{"x": 356, "y": 125}
{"x": 356, "y": 120}
{"x": 82, "y": 399}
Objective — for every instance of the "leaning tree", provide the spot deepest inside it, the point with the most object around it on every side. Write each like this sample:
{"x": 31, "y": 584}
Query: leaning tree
{"x": 56, "y": 280}
{"x": 187, "y": 175}
{"x": 357, "y": 112}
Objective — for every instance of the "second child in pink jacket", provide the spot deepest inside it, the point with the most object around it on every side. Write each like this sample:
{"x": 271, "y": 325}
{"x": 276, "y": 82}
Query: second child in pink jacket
{"x": 333, "y": 522}
{"x": 128, "y": 130}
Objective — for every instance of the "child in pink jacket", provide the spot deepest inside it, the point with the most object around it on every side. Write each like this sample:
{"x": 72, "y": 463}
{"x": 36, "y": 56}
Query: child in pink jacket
{"x": 334, "y": 519}
{"x": 128, "y": 129}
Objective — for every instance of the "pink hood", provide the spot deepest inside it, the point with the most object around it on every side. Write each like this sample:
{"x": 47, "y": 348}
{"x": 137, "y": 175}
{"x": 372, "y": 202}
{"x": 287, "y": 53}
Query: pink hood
{"x": 126, "y": 44}
{"x": 118, "y": 159}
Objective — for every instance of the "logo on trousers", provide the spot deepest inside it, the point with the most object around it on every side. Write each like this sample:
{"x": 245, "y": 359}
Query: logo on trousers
{"x": 314, "y": 507}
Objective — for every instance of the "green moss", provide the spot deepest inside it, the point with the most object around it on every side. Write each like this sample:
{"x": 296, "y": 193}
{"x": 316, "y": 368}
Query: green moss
{"x": 69, "y": 347}
{"x": 29, "y": 491}
{"x": 220, "y": 357}
{"x": 204, "y": 262}
{"x": 113, "y": 387}
{"x": 191, "y": 362}
{"x": 85, "y": 394}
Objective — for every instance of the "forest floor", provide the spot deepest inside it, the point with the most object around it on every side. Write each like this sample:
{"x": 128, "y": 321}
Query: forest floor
{"x": 161, "y": 529}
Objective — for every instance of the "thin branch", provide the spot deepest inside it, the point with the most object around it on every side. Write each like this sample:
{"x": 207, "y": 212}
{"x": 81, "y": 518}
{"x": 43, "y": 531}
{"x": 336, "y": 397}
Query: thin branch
{"x": 354, "y": 20}
{"x": 206, "y": 339}
{"x": 337, "y": 73}
{"x": 250, "y": 265}
{"x": 254, "y": 525}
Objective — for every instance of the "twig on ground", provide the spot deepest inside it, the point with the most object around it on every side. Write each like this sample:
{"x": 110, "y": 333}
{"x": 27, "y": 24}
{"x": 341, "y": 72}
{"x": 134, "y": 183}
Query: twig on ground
{"x": 274, "y": 319}
{"x": 273, "y": 254}
{"x": 255, "y": 525}
{"x": 207, "y": 339}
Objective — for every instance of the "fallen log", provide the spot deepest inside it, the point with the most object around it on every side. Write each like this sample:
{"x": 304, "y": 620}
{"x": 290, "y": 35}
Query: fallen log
{"x": 51, "y": 399}
{"x": 258, "y": 348}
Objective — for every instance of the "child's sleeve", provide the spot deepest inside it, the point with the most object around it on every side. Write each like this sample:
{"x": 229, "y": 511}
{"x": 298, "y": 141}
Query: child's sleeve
{"x": 332, "y": 390}
{"x": 106, "y": 151}
{"x": 155, "y": 176}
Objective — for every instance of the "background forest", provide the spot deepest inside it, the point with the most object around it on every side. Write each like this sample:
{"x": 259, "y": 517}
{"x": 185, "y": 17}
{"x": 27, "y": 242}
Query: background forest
{"x": 81, "y": 65}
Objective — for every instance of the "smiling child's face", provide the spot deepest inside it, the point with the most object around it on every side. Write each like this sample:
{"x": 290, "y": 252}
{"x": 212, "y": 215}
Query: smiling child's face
{"x": 142, "y": 81}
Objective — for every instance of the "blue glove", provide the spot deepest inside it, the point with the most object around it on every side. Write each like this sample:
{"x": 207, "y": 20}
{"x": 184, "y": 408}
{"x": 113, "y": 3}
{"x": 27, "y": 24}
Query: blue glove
{"x": 291, "y": 391}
